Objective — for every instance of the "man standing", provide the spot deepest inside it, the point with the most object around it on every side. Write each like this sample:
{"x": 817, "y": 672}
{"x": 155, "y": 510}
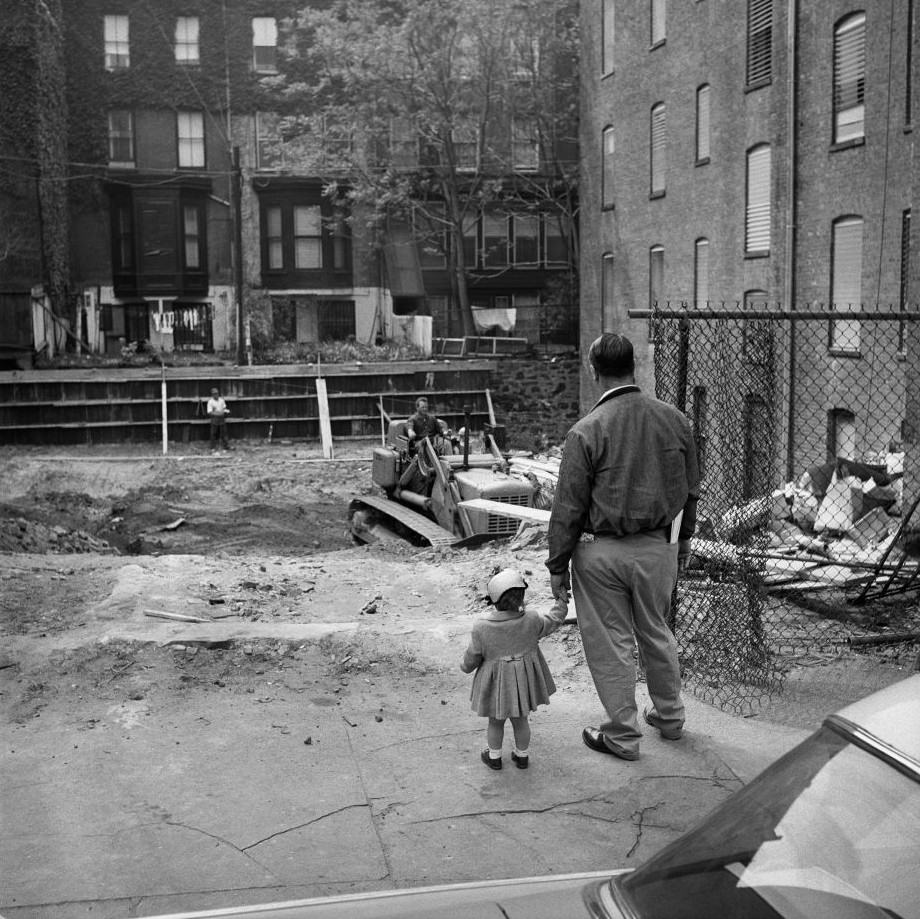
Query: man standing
{"x": 629, "y": 470}
{"x": 217, "y": 412}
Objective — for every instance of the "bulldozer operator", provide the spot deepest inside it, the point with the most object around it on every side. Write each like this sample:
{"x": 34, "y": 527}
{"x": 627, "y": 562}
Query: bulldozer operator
{"x": 423, "y": 424}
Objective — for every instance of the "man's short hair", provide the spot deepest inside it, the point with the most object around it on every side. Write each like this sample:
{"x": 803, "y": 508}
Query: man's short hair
{"x": 420, "y": 400}
{"x": 612, "y": 355}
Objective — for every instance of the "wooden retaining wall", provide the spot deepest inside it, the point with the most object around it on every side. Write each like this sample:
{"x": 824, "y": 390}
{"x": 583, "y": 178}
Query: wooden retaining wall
{"x": 112, "y": 405}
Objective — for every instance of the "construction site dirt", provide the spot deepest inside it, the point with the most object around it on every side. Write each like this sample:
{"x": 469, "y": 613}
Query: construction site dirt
{"x": 213, "y": 696}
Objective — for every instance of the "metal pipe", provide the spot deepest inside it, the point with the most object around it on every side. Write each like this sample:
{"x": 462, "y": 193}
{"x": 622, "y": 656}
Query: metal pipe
{"x": 791, "y": 315}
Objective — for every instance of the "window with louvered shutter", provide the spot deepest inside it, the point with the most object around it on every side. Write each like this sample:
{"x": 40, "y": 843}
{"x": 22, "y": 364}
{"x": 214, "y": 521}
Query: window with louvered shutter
{"x": 608, "y": 173}
{"x": 759, "y": 42}
{"x": 701, "y": 274}
{"x": 658, "y": 16}
{"x": 757, "y": 210}
{"x": 658, "y": 153}
{"x": 656, "y": 277}
{"x": 702, "y": 123}
{"x": 608, "y": 314}
{"x": 608, "y": 36}
{"x": 850, "y": 78}
{"x": 846, "y": 282}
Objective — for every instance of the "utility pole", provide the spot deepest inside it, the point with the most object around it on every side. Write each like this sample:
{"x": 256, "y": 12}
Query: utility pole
{"x": 236, "y": 198}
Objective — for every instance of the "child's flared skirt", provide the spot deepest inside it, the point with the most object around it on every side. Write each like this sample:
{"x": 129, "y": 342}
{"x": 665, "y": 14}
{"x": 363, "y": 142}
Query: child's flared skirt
{"x": 511, "y": 687}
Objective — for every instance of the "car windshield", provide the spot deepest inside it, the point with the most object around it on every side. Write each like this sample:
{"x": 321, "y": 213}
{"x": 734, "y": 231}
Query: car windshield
{"x": 828, "y": 831}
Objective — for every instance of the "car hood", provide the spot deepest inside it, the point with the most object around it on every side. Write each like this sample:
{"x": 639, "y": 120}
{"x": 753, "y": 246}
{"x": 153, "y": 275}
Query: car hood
{"x": 547, "y": 897}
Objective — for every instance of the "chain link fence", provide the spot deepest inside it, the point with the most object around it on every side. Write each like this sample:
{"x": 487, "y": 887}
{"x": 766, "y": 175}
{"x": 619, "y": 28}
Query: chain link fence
{"x": 805, "y": 547}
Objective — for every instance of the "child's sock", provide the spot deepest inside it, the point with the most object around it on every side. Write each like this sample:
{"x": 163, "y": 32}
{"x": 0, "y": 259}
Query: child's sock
{"x": 495, "y": 754}
{"x": 518, "y": 752}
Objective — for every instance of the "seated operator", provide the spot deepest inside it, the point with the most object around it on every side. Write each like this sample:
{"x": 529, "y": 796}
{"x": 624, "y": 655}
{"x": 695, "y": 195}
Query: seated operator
{"x": 423, "y": 424}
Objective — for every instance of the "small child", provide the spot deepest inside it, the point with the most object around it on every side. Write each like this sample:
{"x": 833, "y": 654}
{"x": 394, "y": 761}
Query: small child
{"x": 512, "y": 677}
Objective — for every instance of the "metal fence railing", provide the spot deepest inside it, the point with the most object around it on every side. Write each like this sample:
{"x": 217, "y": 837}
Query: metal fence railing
{"x": 805, "y": 541}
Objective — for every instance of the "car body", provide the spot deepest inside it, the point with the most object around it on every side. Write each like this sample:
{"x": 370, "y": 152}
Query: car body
{"x": 830, "y": 831}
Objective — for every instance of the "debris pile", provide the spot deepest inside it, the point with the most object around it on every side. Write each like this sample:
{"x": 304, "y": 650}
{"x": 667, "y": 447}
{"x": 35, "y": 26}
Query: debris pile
{"x": 21, "y": 535}
{"x": 832, "y": 525}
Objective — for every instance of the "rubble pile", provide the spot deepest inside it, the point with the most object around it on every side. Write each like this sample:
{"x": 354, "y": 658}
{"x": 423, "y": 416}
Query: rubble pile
{"x": 21, "y": 535}
{"x": 834, "y": 523}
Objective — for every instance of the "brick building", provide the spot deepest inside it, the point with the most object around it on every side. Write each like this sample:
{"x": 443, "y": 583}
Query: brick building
{"x": 751, "y": 155}
{"x": 177, "y": 205}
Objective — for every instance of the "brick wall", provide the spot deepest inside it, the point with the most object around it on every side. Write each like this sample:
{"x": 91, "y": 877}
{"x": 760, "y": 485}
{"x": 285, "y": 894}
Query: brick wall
{"x": 536, "y": 399}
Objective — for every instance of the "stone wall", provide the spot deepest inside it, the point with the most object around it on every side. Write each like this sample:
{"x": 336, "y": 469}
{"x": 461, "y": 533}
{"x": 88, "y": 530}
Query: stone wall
{"x": 536, "y": 399}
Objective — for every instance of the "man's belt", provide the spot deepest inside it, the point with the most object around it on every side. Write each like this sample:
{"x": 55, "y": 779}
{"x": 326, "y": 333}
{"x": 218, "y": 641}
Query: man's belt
{"x": 665, "y": 532}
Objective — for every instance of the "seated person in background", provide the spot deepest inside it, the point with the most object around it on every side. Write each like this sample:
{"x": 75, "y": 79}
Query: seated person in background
{"x": 422, "y": 424}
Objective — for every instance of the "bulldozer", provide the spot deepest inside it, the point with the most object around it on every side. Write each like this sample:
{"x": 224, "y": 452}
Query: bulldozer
{"x": 437, "y": 492}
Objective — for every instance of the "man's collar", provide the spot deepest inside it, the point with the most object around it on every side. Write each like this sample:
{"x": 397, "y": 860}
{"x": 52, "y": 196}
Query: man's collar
{"x": 617, "y": 391}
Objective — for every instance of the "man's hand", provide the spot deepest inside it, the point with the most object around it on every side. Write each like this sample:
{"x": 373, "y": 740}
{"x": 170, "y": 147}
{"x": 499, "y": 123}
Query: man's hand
{"x": 560, "y": 584}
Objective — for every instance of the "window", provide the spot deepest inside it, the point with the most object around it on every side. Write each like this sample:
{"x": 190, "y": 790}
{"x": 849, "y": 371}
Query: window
{"x": 846, "y": 282}
{"x": 191, "y": 232}
{"x": 757, "y": 205}
{"x": 608, "y": 33}
{"x": 430, "y": 229}
{"x": 123, "y": 237}
{"x": 759, "y": 42}
{"x": 308, "y": 237}
{"x": 525, "y": 148}
{"x": 190, "y": 129}
{"x": 121, "y": 137}
{"x": 274, "y": 238}
{"x": 850, "y": 79}
{"x": 700, "y": 424}
{"x": 756, "y": 334}
{"x": 607, "y": 175}
{"x": 702, "y": 124}
{"x": 269, "y": 148}
{"x": 658, "y": 12}
{"x": 656, "y": 277}
{"x": 495, "y": 241}
{"x": 905, "y": 273}
{"x": 701, "y": 274}
{"x": 658, "y": 154}
{"x": 526, "y": 240}
{"x": 187, "y": 40}
{"x": 524, "y": 55}
{"x": 758, "y": 448}
{"x": 265, "y": 44}
{"x": 470, "y": 225}
{"x": 557, "y": 246}
{"x": 335, "y": 320}
{"x": 117, "y": 49}
{"x": 465, "y": 142}
{"x": 608, "y": 311}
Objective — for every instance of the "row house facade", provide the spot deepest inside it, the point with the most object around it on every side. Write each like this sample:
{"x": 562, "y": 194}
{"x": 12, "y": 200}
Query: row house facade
{"x": 194, "y": 220}
{"x": 758, "y": 155}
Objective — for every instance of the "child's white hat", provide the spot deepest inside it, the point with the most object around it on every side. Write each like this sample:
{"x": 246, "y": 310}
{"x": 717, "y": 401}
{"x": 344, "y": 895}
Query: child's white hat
{"x": 505, "y": 580}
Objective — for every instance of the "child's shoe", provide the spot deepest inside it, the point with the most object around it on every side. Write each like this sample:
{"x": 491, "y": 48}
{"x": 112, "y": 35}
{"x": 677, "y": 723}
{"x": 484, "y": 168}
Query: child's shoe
{"x": 490, "y": 762}
{"x": 521, "y": 760}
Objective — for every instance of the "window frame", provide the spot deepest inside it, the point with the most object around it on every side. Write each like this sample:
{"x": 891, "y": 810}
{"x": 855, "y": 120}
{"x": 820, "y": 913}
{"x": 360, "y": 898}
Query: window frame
{"x": 192, "y": 46}
{"x": 658, "y": 23}
{"x": 498, "y": 256}
{"x": 117, "y": 48}
{"x": 191, "y": 142}
{"x": 608, "y": 37}
{"x": 524, "y": 137}
{"x": 608, "y": 300}
{"x": 126, "y": 135}
{"x": 313, "y": 212}
{"x": 658, "y": 147}
{"x": 703, "y": 123}
{"x": 849, "y": 53}
{"x": 758, "y": 69}
{"x": 608, "y": 163}
{"x": 701, "y": 267}
{"x": 532, "y": 221}
{"x": 839, "y": 344}
{"x": 757, "y": 199}
{"x": 270, "y": 26}
{"x": 655, "y": 275}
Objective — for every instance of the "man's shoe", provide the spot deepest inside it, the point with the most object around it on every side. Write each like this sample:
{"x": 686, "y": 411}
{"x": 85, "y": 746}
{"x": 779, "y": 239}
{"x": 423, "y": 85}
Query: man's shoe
{"x": 522, "y": 762}
{"x": 491, "y": 763}
{"x": 595, "y": 740}
{"x": 668, "y": 733}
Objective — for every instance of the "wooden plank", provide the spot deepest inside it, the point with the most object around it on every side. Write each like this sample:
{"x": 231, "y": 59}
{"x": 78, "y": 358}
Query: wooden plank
{"x": 516, "y": 511}
{"x": 325, "y": 427}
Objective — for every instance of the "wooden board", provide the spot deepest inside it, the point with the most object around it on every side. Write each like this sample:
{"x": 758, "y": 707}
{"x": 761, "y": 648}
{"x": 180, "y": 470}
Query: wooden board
{"x": 500, "y": 508}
